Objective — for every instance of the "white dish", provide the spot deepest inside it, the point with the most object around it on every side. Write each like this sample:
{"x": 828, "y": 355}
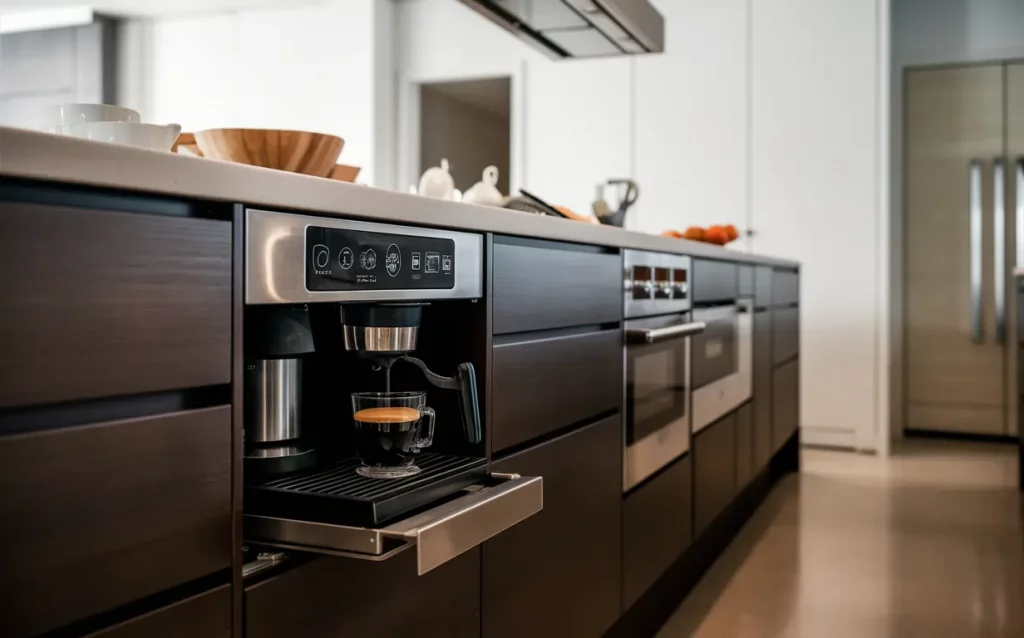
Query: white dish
{"x": 67, "y": 114}
{"x": 155, "y": 137}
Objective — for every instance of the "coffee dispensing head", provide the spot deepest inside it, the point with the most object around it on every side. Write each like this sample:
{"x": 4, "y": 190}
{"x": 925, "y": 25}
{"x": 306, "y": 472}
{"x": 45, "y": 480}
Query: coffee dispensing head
{"x": 387, "y": 332}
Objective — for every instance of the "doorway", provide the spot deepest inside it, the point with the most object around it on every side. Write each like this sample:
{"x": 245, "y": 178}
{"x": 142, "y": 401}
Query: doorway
{"x": 468, "y": 123}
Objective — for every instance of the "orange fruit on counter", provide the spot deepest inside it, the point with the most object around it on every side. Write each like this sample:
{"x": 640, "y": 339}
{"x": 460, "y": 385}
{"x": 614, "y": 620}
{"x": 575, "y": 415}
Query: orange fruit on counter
{"x": 732, "y": 233}
{"x": 695, "y": 233}
{"x": 674, "y": 234}
{"x": 717, "y": 235}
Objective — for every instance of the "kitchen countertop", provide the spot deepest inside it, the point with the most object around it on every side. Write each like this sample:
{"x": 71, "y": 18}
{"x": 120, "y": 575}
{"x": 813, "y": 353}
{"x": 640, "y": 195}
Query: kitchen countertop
{"x": 40, "y": 156}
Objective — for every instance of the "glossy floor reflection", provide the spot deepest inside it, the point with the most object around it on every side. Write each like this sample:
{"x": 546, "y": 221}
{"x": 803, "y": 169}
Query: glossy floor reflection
{"x": 925, "y": 544}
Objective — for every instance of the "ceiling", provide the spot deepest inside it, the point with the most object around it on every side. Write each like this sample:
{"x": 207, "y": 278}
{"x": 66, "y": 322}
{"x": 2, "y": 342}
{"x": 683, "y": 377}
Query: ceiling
{"x": 149, "y": 8}
{"x": 492, "y": 95}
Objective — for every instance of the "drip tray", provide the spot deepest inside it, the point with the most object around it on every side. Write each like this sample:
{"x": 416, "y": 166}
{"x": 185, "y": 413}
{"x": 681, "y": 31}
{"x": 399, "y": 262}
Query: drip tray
{"x": 337, "y": 494}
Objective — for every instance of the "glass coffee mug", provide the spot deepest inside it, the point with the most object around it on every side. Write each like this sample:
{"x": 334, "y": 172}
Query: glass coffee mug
{"x": 390, "y": 428}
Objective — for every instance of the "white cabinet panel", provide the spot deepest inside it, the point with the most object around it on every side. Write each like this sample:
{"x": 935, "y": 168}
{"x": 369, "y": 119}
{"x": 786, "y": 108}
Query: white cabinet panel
{"x": 691, "y": 118}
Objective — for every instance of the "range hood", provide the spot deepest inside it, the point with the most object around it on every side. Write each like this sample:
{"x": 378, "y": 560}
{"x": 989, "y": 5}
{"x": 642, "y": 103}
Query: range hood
{"x": 579, "y": 28}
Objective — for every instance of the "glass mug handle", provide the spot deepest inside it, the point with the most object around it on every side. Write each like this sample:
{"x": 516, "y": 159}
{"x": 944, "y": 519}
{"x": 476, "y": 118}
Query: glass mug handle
{"x": 427, "y": 422}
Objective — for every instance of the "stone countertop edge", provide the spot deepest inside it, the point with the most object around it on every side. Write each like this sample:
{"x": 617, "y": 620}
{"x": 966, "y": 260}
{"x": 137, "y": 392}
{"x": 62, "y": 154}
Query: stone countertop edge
{"x": 40, "y": 156}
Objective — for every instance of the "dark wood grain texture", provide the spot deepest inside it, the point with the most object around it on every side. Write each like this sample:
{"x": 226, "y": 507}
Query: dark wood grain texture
{"x": 341, "y": 597}
{"x": 656, "y": 528}
{"x": 98, "y": 516}
{"x": 207, "y": 615}
{"x": 763, "y": 287}
{"x": 96, "y": 303}
{"x": 558, "y": 573}
{"x": 714, "y": 281}
{"x": 763, "y": 449}
{"x": 547, "y": 384}
{"x": 714, "y": 471}
{"x": 538, "y": 288}
{"x": 785, "y": 287}
{"x": 744, "y": 445}
{"x": 785, "y": 334}
{"x": 785, "y": 402}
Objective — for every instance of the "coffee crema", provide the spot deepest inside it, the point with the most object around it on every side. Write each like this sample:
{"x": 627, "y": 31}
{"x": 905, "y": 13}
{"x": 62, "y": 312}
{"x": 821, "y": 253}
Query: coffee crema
{"x": 387, "y": 415}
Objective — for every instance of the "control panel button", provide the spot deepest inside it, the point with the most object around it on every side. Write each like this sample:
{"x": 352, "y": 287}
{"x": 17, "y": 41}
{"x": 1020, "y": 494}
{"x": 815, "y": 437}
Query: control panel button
{"x": 346, "y": 258}
{"x": 446, "y": 263}
{"x": 433, "y": 264}
{"x": 393, "y": 260}
{"x": 368, "y": 260}
{"x": 416, "y": 261}
{"x": 321, "y": 256}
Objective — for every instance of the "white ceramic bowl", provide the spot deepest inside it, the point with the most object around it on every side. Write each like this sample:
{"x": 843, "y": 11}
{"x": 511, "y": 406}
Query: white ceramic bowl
{"x": 67, "y": 114}
{"x": 155, "y": 137}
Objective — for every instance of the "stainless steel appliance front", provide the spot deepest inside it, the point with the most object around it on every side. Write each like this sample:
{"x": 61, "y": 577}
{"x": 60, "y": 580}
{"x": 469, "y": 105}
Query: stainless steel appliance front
{"x": 726, "y": 392}
{"x": 275, "y": 260}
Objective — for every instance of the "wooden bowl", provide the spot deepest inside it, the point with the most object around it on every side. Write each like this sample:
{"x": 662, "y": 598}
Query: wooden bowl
{"x": 345, "y": 173}
{"x": 186, "y": 145}
{"x": 293, "y": 151}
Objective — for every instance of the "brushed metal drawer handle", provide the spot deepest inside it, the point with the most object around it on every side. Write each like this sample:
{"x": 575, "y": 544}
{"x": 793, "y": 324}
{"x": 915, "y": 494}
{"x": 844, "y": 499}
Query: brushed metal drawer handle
{"x": 438, "y": 534}
{"x": 655, "y": 335}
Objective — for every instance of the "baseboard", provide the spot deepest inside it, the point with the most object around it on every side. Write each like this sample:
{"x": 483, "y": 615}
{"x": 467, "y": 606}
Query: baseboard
{"x": 961, "y": 436}
{"x": 656, "y": 605}
{"x": 828, "y": 437}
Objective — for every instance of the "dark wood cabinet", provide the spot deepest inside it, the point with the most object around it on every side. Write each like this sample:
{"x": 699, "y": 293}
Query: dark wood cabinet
{"x": 785, "y": 334}
{"x": 763, "y": 287}
{"x": 714, "y": 280}
{"x": 747, "y": 281}
{"x": 207, "y": 615}
{"x": 96, "y": 303}
{"x": 785, "y": 402}
{"x": 656, "y": 528}
{"x": 539, "y": 285}
{"x": 714, "y": 473}
{"x": 336, "y": 597}
{"x": 543, "y": 385}
{"x": 98, "y": 516}
{"x": 744, "y": 445}
{"x": 785, "y": 287}
{"x": 762, "y": 388}
{"x": 559, "y": 573}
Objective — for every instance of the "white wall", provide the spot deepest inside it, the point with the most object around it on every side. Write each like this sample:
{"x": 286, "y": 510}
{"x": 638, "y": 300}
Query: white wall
{"x": 311, "y": 68}
{"x": 926, "y": 32}
{"x": 816, "y": 182}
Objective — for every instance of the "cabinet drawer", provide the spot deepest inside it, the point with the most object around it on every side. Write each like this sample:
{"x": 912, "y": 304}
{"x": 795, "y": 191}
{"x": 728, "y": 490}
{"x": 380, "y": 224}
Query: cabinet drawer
{"x": 96, "y": 303}
{"x": 559, "y": 572}
{"x": 544, "y": 285}
{"x": 785, "y": 288}
{"x": 101, "y": 515}
{"x": 746, "y": 281}
{"x": 762, "y": 389}
{"x": 543, "y": 385}
{"x": 714, "y": 281}
{"x": 714, "y": 475}
{"x": 207, "y": 615}
{"x": 785, "y": 334}
{"x": 763, "y": 287}
{"x": 656, "y": 528}
{"x": 785, "y": 403}
{"x": 744, "y": 446}
{"x": 334, "y": 597}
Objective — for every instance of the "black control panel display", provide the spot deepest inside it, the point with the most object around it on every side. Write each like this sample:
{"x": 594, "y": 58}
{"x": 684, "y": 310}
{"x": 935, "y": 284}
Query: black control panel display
{"x": 339, "y": 260}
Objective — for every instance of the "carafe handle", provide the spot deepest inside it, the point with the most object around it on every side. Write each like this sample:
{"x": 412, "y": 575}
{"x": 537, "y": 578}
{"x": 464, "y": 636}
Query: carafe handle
{"x": 464, "y": 382}
{"x": 427, "y": 416}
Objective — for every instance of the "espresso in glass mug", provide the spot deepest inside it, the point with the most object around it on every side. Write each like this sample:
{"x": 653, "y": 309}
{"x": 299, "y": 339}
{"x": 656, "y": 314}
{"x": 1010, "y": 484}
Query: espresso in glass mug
{"x": 390, "y": 429}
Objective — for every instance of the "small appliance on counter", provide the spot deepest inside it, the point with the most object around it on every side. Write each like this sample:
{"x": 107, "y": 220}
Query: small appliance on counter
{"x": 363, "y": 421}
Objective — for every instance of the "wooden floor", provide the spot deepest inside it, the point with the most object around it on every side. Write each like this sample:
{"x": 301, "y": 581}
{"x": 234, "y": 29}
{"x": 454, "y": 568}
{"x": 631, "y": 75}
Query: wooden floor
{"x": 925, "y": 544}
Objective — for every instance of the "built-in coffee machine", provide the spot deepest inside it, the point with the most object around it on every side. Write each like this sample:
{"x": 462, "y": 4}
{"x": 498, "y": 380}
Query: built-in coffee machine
{"x": 363, "y": 419}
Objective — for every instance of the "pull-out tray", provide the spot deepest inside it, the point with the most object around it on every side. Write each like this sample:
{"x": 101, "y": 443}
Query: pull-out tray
{"x": 439, "y": 533}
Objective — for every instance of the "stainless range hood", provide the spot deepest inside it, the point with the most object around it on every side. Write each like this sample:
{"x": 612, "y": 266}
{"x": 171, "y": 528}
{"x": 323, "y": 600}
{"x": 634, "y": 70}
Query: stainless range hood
{"x": 579, "y": 28}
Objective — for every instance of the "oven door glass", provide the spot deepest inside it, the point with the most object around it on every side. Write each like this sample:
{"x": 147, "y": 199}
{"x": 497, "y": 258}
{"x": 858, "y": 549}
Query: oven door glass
{"x": 656, "y": 383}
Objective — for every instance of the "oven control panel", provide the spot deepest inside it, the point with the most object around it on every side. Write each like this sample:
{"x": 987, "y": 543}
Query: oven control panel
{"x": 342, "y": 259}
{"x": 656, "y": 283}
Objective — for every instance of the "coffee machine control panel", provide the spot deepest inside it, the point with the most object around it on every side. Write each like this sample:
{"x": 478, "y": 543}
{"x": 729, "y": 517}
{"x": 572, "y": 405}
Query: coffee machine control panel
{"x": 345, "y": 259}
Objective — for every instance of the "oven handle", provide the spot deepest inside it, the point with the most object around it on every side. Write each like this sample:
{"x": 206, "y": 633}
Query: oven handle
{"x": 654, "y": 335}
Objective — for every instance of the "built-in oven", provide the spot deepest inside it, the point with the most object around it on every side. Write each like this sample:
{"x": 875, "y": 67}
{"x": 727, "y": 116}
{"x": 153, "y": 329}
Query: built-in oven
{"x": 722, "y": 360}
{"x": 658, "y": 332}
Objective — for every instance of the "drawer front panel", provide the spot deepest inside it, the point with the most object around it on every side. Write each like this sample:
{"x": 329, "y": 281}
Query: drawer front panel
{"x": 714, "y": 458}
{"x": 541, "y": 386}
{"x": 96, "y": 303}
{"x": 785, "y": 403}
{"x": 785, "y": 288}
{"x": 101, "y": 515}
{"x": 539, "y": 288}
{"x": 785, "y": 334}
{"x": 714, "y": 281}
{"x": 207, "y": 615}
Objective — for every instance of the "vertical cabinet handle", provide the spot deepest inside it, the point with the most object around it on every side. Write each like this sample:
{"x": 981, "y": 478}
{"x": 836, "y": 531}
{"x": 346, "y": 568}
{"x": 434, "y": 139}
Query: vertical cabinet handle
{"x": 1020, "y": 212}
{"x": 974, "y": 213}
{"x": 999, "y": 248}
